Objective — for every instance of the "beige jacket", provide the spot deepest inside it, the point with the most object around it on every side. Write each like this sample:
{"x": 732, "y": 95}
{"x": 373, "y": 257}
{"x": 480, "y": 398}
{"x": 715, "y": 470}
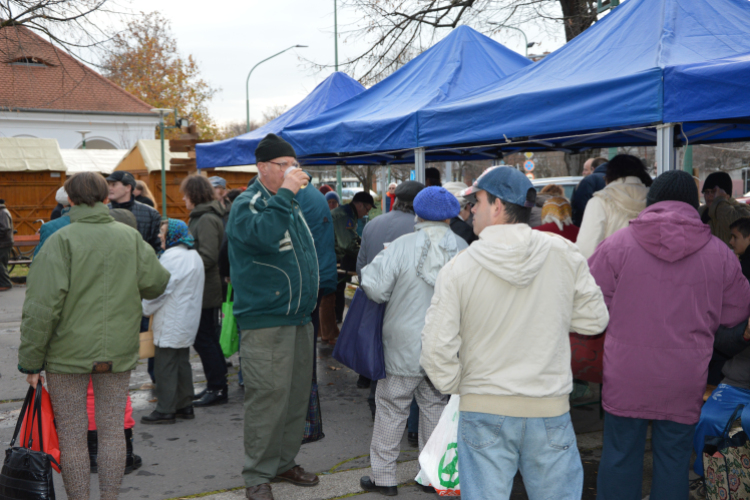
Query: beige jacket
{"x": 497, "y": 328}
{"x": 610, "y": 210}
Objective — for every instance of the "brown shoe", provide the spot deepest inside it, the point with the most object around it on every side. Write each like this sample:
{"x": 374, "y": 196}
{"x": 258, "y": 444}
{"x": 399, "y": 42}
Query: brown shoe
{"x": 297, "y": 475}
{"x": 260, "y": 492}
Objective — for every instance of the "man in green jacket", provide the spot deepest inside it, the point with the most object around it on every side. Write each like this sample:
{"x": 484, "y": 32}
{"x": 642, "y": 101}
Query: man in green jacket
{"x": 274, "y": 271}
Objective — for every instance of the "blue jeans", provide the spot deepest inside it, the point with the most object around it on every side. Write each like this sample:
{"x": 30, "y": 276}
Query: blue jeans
{"x": 714, "y": 416}
{"x": 493, "y": 447}
{"x": 412, "y": 423}
{"x": 621, "y": 467}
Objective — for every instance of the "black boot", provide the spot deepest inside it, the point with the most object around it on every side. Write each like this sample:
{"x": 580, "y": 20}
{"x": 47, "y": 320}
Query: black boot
{"x": 93, "y": 445}
{"x": 132, "y": 461}
{"x": 212, "y": 398}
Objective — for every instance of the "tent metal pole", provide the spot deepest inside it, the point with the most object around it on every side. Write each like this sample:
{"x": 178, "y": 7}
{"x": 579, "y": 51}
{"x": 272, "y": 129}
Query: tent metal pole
{"x": 449, "y": 171}
{"x": 665, "y": 152}
{"x": 687, "y": 160}
{"x": 338, "y": 180}
{"x": 419, "y": 164}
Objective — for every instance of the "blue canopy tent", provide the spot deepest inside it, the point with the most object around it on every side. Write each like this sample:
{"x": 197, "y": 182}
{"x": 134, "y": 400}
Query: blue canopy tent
{"x": 624, "y": 81}
{"x": 240, "y": 150}
{"x": 383, "y": 118}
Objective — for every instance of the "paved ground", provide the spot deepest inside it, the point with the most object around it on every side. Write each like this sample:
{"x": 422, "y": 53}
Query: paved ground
{"x": 205, "y": 455}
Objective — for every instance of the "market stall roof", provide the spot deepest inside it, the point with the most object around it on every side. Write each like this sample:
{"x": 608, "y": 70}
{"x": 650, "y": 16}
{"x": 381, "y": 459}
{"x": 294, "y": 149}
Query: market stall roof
{"x": 92, "y": 160}
{"x": 147, "y": 154}
{"x": 710, "y": 90}
{"x": 383, "y": 118}
{"x": 609, "y": 86}
{"x": 240, "y": 150}
{"x": 27, "y": 154}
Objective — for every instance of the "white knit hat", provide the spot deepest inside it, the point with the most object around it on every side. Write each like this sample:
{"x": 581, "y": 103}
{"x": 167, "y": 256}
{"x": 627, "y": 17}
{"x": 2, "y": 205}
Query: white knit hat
{"x": 62, "y": 197}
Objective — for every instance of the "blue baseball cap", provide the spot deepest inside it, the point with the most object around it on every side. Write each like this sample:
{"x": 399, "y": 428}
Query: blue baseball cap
{"x": 505, "y": 183}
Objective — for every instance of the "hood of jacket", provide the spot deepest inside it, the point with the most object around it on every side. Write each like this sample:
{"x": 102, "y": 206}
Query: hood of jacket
{"x": 628, "y": 195}
{"x": 98, "y": 214}
{"x": 670, "y": 230}
{"x": 436, "y": 245}
{"x": 210, "y": 207}
{"x": 512, "y": 252}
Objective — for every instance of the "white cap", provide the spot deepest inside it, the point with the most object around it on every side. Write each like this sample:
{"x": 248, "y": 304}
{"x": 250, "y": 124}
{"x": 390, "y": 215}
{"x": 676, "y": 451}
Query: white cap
{"x": 62, "y": 197}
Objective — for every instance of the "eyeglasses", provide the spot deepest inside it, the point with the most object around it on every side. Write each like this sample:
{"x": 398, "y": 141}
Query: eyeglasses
{"x": 285, "y": 165}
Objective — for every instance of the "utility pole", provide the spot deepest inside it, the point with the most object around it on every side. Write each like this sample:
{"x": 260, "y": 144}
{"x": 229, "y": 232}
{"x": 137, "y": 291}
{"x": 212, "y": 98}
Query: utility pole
{"x": 335, "y": 35}
{"x": 336, "y": 62}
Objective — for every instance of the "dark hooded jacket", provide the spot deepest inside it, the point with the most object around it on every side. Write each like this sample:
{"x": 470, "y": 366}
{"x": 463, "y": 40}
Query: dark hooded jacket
{"x": 207, "y": 227}
{"x": 585, "y": 190}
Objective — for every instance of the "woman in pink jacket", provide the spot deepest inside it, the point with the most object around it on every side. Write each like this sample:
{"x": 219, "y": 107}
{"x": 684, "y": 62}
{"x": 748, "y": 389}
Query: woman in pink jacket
{"x": 669, "y": 284}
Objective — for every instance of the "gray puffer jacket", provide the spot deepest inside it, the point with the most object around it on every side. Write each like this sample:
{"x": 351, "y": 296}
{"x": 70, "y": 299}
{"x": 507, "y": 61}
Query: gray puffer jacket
{"x": 404, "y": 275}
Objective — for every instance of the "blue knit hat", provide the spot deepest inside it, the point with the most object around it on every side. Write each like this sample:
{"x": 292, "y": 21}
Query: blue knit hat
{"x": 436, "y": 203}
{"x": 332, "y": 195}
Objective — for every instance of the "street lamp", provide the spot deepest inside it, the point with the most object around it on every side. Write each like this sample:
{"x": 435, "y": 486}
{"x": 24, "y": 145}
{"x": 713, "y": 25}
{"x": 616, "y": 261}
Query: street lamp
{"x": 83, "y": 137}
{"x": 162, "y": 112}
{"x": 247, "y": 83}
{"x": 528, "y": 45}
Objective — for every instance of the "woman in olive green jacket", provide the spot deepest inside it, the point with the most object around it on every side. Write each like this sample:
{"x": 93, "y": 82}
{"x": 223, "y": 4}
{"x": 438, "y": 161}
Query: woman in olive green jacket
{"x": 81, "y": 319}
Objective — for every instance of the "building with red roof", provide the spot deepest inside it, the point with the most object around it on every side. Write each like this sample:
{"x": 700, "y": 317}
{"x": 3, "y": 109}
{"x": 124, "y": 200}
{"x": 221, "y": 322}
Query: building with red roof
{"x": 47, "y": 93}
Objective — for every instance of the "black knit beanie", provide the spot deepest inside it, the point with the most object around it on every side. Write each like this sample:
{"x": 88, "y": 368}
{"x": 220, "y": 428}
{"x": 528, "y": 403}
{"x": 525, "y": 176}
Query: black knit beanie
{"x": 272, "y": 146}
{"x": 674, "y": 185}
{"x": 720, "y": 179}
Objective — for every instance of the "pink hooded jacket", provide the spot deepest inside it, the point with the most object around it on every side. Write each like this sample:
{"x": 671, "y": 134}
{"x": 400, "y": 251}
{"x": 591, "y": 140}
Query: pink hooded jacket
{"x": 668, "y": 284}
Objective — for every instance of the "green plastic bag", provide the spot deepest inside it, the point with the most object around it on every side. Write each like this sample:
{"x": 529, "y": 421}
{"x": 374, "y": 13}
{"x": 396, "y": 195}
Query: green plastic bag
{"x": 230, "y": 339}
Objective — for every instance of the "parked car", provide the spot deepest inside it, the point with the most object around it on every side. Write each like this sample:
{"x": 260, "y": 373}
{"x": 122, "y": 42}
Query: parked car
{"x": 567, "y": 183}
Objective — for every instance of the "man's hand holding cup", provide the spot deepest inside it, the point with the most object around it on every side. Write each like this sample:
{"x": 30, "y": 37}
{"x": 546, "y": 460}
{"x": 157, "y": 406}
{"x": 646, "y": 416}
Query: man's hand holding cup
{"x": 295, "y": 179}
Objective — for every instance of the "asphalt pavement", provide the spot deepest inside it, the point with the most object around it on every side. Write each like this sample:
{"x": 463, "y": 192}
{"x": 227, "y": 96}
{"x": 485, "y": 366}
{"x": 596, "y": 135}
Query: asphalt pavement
{"x": 203, "y": 457}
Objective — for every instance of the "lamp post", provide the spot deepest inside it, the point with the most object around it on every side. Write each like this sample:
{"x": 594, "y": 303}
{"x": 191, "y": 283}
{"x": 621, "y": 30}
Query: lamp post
{"x": 83, "y": 137}
{"x": 335, "y": 35}
{"x": 162, "y": 112}
{"x": 247, "y": 83}
{"x": 526, "y": 39}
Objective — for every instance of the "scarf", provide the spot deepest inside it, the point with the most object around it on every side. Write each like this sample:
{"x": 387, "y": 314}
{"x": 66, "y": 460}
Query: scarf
{"x": 178, "y": 233}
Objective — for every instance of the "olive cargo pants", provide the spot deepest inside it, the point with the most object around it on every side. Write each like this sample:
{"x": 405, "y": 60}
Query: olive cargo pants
{"x": 277, "y": 370}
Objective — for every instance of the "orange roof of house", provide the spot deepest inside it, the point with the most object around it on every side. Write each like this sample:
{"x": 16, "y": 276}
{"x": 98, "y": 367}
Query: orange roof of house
{"x": 61, "y": 83}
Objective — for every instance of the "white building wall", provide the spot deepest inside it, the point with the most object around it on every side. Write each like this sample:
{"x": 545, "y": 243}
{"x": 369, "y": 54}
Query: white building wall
{"x": 121, "y": 131}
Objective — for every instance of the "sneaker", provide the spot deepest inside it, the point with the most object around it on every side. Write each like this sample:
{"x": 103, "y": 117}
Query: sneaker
{"x": 213, "y": 398}
{"x": 697, "y": 489}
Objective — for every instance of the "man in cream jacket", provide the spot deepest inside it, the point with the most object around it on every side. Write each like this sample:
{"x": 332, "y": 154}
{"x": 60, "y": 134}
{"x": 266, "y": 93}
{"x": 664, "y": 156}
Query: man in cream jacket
{"x": 496, "y": 333}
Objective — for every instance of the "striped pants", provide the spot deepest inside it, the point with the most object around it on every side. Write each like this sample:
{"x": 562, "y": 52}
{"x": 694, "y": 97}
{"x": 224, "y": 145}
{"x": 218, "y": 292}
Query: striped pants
{"x": 393, "y": 398}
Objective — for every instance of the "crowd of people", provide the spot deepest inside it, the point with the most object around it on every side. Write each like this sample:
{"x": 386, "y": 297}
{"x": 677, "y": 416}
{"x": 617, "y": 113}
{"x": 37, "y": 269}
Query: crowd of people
{"x": 482, "y": 286}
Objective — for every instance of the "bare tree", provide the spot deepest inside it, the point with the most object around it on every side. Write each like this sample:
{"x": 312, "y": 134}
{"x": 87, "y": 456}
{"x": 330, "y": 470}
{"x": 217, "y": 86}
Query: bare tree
{"x": 398, "y": 30}
{"x": 273, "y": 112}
{"x": 74, "y": 25}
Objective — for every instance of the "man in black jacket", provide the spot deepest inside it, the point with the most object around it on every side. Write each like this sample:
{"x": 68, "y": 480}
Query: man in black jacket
{"x": 460, "y": 224}
{"x": 121, "y": 186}
{"x": 587, "y": 187}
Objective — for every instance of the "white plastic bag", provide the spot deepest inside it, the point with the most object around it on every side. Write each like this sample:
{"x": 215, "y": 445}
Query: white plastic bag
{"x": 439, "y": 458}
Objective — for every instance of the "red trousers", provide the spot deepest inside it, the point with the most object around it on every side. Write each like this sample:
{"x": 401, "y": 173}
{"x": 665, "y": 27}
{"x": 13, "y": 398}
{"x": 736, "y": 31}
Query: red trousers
{"x": 129, "y": 422}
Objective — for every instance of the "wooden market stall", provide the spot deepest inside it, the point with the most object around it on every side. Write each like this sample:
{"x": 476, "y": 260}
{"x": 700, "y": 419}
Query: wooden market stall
{"x": 144, "y": 162}
{"x": 31, "y": 172}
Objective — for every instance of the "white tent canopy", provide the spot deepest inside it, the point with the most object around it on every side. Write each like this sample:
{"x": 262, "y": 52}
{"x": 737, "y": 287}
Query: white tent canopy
{"x": 92, "y": 160}
{"x": 27, "y": 154}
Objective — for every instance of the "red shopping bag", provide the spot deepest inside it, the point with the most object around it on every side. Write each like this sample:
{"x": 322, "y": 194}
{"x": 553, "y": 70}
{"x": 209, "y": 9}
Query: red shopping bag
{"x": 586, "y": 355}
{"x": 49, "y": 430}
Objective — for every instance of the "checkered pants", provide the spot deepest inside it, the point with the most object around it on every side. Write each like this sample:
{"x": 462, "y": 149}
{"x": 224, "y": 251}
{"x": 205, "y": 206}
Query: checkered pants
{"x": 393, "y": 398}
